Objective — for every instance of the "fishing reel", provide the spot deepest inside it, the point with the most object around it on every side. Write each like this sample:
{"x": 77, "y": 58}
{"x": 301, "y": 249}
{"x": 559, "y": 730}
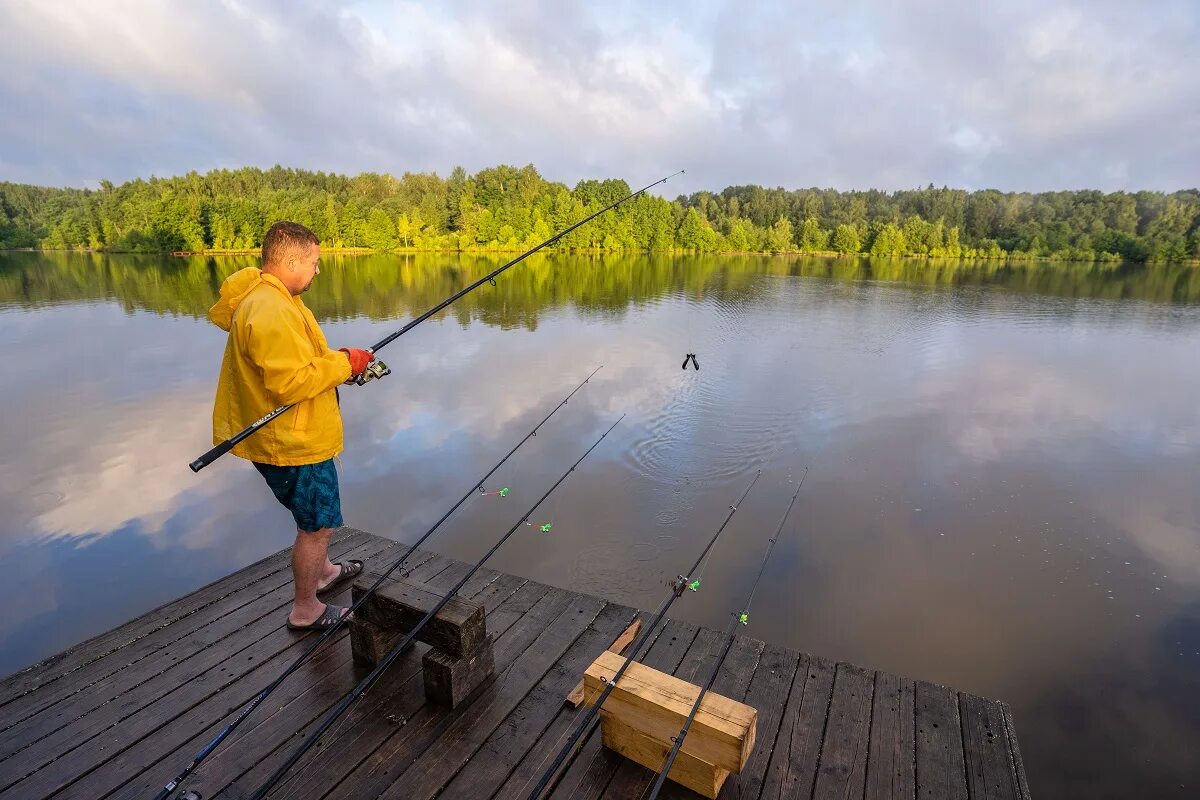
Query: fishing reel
{"x": 376, "y": 369}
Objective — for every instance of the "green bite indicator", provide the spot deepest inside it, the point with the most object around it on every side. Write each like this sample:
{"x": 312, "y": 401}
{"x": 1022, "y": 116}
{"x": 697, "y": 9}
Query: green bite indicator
{"x": 744, "y": 618}
{"x": 694, "y": 585}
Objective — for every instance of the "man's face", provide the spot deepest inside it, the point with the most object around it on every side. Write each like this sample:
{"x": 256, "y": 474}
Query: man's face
{"x": 304, "y": 266}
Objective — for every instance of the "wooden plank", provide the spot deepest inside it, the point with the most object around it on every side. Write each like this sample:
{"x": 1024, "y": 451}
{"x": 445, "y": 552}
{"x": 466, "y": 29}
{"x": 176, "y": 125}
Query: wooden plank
{"x": 769, "y": 694}
{"x": 141, "y": 770}
{"x": 842, "y": 769}
{"x": 587, "y": 618}
{"x": 273, "y": 725}
{"x": 575, "y": 696}
{"x": 1010, "y": 730}
{"x": 70, "y": 752}
{"x": 68, "y": 661}
{"x": 891, "y": 763}
{"x": 988, "y": 760}
{"x": 733, "y": 680}
{"x": 791, "y": 771}
{"x": 399, "y": 605}
{"x": 504, "y": 749}
{"x": 130, "y": 681}
{"x": 369, "y": 730}
{"x": 657, "y": 704}
{"x": 68, "y": 698}
{"x": 939, "y": 755}
{"x": 666, "y": 649}
{"x": 380, "y": 769}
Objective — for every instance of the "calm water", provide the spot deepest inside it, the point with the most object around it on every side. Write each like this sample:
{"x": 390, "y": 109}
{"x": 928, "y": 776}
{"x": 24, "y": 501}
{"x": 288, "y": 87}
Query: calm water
{"x": 1002, "y": 497}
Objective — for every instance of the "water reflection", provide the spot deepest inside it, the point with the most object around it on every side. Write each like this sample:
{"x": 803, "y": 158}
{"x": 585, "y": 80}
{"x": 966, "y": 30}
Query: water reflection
{"x": 1002, "y": 496}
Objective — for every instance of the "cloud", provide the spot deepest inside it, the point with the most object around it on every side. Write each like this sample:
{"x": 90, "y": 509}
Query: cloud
{"x": 1019, "y": 95}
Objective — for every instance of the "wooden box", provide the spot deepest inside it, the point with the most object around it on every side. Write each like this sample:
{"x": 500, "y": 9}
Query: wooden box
{"x": 648, "y": 708}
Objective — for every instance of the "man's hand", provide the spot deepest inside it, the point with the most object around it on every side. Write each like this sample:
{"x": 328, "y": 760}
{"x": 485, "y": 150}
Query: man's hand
{"x": 358, "y": 359}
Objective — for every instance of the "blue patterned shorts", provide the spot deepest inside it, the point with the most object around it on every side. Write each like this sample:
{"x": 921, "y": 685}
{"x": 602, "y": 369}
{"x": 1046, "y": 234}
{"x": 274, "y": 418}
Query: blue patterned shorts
{"x": 310, "y": 492}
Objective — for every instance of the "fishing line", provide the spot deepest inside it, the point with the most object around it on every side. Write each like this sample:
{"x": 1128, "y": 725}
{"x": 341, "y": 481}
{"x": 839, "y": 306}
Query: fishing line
{"x": 329, "y": 632}
{"x": 378, "y": 369}
{"x": 678, "y": 587}
{"x": 400, "y": 646}
{"x": 737, "y": 618}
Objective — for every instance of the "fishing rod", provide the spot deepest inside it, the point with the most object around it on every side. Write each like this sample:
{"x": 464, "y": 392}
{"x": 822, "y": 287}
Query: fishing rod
{"x": 678, "y": 586}
{"x": 738, "y": 618}
{"x": 395, "y": 652}
{"x": 379, "y": 369}
{"x": 329, "y": 632}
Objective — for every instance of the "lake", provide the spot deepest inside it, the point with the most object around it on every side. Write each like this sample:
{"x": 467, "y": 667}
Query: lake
{"x": 1002, "y": 495}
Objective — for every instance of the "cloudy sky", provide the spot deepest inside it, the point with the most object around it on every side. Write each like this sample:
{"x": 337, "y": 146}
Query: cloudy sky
{"x": 1011, "y": 94}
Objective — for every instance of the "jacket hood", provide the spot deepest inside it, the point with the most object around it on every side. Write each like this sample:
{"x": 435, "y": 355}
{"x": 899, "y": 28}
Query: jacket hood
{"x": 233, "y": 291}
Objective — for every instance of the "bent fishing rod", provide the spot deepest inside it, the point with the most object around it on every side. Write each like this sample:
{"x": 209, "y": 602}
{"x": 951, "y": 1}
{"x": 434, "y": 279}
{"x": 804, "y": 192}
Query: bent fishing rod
{"x": 329, "y": 632}
{"x": 678, "y": 586}
{"x": 738, "y": 617}
{"x": 396, "y": 651}
{"x": 379, "y": 369}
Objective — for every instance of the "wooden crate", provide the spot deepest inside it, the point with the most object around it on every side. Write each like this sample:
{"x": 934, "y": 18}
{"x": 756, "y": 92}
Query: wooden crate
{"x": 647, "y": 708}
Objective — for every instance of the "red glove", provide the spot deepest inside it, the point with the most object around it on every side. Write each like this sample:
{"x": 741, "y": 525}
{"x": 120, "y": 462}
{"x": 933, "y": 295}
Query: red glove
{"x": 358, "y": 359}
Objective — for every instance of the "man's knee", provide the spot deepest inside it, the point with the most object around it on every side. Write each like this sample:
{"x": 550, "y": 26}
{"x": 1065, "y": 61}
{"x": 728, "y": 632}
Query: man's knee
{"x": 318, "y": 538}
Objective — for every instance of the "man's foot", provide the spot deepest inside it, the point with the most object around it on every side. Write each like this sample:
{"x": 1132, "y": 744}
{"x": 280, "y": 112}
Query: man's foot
{"x": 336, "y": 573}
{"x": 330, "y": 615}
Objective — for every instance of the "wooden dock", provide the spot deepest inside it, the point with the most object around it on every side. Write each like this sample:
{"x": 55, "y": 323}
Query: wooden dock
{"x": 119, "y": 715}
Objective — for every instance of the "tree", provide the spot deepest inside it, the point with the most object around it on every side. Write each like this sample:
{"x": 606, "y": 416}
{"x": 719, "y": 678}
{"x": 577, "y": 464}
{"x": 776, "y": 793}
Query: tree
{"x": 779, "y": 240}
{"x": 845, "y": 239}
{"x": 813, "y": 238}
{"x": 889, "y": 241}
{"x": 695, "y": 233}
{"x": 380, "y": 231}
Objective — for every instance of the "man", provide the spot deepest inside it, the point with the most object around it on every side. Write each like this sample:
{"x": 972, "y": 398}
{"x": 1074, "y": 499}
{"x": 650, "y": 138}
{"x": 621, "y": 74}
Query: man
{"x": 276, "y": 355}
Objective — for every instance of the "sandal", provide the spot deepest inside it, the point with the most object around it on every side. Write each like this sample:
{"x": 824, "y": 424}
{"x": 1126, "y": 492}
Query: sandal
{"x": 348, "y": 570}
{"x": 330, "y": 617}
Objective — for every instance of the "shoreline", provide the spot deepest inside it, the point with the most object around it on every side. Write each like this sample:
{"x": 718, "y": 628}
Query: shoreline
{"x": 362, "y": 251}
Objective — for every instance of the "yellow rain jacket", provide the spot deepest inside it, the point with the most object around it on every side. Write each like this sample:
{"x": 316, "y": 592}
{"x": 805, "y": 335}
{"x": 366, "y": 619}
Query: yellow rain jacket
{"x": 276, "y": 355}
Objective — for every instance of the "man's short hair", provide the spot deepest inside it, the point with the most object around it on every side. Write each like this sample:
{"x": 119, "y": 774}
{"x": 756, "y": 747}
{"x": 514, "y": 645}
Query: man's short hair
{"x": 285, "y": 238}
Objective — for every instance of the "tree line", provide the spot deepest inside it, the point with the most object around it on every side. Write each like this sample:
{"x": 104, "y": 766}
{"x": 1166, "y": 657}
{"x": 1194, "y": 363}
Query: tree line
{"x": 509, "y": 208}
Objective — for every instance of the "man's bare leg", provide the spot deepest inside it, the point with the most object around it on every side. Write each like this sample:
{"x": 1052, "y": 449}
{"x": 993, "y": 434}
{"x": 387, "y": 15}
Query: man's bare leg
{"x": 312, "y": 570}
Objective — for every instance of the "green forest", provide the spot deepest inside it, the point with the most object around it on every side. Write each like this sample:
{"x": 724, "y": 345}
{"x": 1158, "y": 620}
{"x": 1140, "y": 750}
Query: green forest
{"x": 509, "y": 208}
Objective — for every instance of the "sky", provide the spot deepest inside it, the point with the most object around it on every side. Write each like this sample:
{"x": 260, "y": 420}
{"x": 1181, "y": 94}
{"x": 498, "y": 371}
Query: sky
{"x": 1017, "y": 95}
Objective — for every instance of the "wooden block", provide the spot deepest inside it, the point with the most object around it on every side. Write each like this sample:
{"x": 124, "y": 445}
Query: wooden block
{"x": 449, "y": 681}
{"x": 699, "y": 776}
{"x": 369, "y": 642}
{"x": 656, "y": 705}
{"x": 575, "y": 698}
{"x": 398, "y": 605}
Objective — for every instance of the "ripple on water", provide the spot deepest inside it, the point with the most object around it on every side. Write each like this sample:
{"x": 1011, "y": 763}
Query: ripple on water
{"x": 593, "y": 570}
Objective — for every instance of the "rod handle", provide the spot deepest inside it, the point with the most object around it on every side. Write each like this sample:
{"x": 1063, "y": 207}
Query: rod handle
{"x": 212, "y": 455}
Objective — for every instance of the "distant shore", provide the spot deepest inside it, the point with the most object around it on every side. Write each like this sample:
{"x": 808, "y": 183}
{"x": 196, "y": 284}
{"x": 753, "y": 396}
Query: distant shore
{"x": 363, "y": 251}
